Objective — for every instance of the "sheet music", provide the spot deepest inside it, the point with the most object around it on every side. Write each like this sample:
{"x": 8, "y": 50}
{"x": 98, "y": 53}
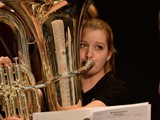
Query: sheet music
{"x": 139, "y": 111}
{"x": 79, "y": 114}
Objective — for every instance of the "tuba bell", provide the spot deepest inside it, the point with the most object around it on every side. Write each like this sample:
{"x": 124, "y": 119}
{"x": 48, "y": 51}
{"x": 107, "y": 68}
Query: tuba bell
{"x": 47, "y": 34}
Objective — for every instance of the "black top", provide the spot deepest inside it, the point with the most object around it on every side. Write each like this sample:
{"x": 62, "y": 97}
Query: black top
{"x": 109, "y": 90}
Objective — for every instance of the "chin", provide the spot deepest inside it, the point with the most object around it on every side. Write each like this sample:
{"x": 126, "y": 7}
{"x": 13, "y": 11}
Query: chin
{"x": 89, "y": 73}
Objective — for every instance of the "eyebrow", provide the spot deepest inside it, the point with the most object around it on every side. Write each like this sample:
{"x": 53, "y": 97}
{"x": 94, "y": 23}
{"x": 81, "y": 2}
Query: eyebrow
{"x": 100, "y": 43}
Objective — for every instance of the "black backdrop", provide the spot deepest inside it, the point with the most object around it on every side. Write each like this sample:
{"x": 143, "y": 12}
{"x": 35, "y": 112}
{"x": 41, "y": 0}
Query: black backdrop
{"x": 136, "y": 35}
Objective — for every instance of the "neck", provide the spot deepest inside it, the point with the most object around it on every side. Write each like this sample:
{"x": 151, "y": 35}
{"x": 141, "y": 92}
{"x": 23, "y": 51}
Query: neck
{"x": 88, "y": 82}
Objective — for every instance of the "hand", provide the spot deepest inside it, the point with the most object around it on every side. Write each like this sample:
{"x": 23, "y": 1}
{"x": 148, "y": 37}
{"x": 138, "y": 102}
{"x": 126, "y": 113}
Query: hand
{"x": 5, "y": 61}
{"x": 12, "y": 118}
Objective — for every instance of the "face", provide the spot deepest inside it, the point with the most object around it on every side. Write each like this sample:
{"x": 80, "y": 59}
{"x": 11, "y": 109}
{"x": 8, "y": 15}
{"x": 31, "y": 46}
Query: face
{"x": 94, "y": 45}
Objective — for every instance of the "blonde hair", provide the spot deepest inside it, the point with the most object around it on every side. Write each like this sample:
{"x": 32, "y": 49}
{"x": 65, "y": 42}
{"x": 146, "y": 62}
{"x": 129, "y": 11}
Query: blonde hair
{"x": 97, "y": 24}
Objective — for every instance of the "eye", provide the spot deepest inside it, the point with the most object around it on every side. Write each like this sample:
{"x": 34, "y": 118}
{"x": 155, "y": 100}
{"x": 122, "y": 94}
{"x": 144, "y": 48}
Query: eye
{"x": 99, "y": 47}
{"x": 82, "y": 45}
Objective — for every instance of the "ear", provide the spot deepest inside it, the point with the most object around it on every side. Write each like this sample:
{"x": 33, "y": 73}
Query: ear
{"x": 109, "y": 55}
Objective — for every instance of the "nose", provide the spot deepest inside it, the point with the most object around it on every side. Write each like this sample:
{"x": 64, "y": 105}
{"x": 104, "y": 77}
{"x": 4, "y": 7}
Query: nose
{"x": 89, "y": 53}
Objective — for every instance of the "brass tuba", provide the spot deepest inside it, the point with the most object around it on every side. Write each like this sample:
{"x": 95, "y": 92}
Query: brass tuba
{"x": 52, "y": 28}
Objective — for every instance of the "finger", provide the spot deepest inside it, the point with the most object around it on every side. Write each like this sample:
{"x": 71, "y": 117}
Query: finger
{"x": 5, "y": 61}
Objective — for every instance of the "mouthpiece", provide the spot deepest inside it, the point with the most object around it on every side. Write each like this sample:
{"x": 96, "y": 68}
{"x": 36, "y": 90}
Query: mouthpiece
{"x": 88, "y": 64}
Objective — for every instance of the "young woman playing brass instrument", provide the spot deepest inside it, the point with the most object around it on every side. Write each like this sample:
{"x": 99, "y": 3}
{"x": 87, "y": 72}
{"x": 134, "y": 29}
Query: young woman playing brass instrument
{"x": 99, "y": 86}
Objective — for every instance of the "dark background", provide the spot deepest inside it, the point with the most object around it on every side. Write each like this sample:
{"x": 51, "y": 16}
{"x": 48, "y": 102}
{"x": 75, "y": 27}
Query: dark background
{"x": 136, "y": 37}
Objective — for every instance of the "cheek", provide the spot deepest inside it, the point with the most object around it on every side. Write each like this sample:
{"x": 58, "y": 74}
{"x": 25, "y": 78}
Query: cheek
{"x": 101, "y": 59}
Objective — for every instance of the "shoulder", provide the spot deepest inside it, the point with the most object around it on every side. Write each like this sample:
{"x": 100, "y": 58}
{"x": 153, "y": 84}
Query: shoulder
{"x": 110, "y": 80}
{"x": 112, "y": 91}
{"x": 109, "y": 83}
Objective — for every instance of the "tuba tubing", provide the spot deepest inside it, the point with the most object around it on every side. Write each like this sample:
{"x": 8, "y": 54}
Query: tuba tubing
{"x": 36, "y": 23}
{"x": 87, "y": 66}
{"x": 14, "y": 93}
{"x": 11, "y": 88}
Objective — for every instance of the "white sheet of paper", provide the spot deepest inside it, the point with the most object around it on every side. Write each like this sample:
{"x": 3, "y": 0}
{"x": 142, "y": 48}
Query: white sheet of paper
{"x": 79, "y": 114}
{"x": 139, "y": 111}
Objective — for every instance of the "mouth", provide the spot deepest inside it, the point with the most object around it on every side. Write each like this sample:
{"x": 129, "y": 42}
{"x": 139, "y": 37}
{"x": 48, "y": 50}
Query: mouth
{"x": 88, "y": 63}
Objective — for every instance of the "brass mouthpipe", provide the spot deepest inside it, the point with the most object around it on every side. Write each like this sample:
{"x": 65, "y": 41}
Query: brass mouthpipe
{"x": 87, "y": 66}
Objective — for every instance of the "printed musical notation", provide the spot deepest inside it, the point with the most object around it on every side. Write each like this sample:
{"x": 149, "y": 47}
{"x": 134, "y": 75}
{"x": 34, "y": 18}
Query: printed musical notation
{"x": 139, "y": 111}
